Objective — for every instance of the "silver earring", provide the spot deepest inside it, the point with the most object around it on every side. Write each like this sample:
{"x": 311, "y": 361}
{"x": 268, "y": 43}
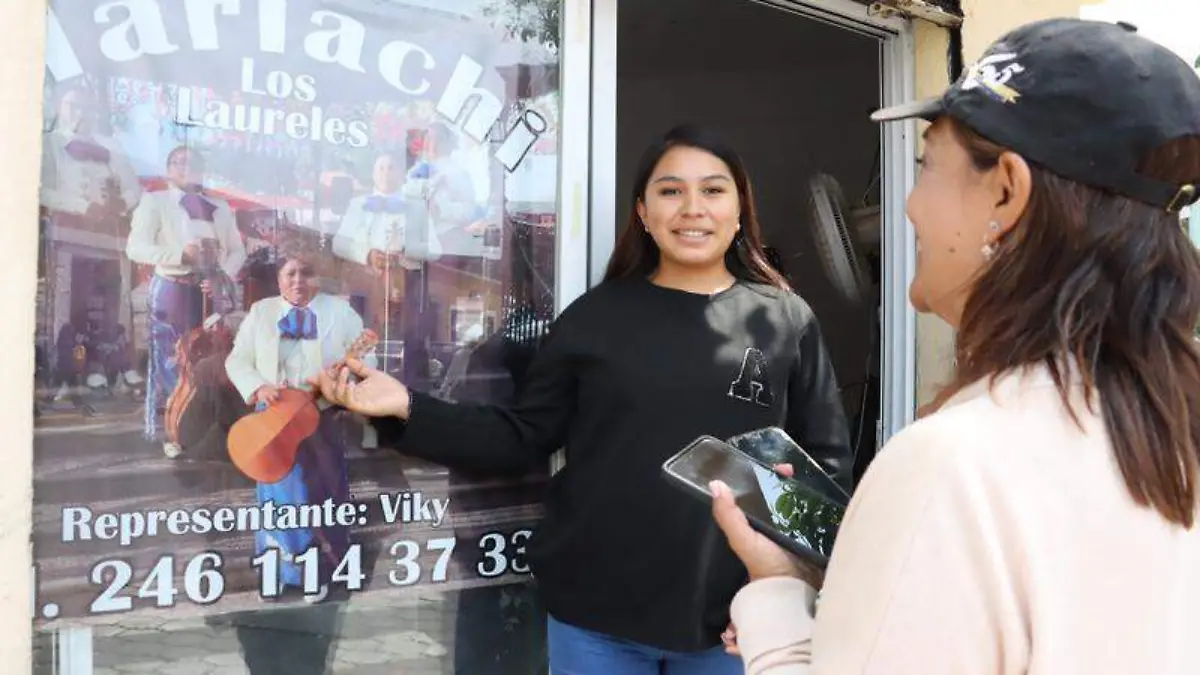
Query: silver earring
{"x": 989, "y": 247}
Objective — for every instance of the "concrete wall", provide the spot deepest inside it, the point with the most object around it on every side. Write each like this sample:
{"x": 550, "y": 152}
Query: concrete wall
{"x": 20, "y": 138}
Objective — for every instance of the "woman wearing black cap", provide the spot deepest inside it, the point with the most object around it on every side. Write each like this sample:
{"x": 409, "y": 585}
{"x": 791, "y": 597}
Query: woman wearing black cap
{"x": 1043, "y": 518}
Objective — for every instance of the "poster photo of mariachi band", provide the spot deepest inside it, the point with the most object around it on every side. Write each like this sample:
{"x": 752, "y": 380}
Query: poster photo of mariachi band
{"x": 231, "y": 203}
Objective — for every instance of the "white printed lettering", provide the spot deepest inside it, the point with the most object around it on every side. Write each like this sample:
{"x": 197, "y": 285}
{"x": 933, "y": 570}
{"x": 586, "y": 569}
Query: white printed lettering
{"x": 456, "y": 101}
{"x": 412, "y": 507}
{"x": 272, "y": 25}
{"x": 61, "y": 59}
{"x": 520, "y": 139}
{"x": 391, "y": 65}
{"x": 144, "y": 27}
{"x": 75, "y": 523}
{"x": 348, "y": 35}
{"x": 202, "y": 20}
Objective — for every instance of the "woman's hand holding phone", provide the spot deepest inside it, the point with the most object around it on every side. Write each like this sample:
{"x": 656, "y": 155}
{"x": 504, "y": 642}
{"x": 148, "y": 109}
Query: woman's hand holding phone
{"x": 762, "y": 557}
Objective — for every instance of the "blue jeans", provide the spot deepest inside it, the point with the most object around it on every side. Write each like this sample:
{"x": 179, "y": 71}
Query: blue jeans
{"x": 575, "y": 651}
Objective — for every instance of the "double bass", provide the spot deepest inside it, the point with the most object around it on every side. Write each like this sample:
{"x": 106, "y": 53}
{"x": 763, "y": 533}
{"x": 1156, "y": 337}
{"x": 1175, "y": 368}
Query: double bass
{"x": 263, "y": 444}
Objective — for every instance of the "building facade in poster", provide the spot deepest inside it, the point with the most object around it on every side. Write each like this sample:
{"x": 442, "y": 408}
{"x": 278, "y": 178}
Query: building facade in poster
{"x": 235, "y": 195}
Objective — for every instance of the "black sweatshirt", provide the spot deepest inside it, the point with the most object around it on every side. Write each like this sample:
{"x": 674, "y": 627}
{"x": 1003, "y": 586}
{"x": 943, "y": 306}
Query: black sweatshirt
{"x": 630, "y": 374}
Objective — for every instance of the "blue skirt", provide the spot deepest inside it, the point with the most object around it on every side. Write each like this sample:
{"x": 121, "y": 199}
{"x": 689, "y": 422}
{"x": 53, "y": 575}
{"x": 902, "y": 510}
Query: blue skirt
{"x": 319, "y": 474}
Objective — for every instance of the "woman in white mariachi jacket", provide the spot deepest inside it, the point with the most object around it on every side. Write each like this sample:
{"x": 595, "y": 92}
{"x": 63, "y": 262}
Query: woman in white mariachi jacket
{"x": 282, "y": 342}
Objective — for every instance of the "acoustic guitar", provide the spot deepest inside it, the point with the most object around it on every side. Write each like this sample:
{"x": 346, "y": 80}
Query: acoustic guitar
{"x": 263, "y": 444}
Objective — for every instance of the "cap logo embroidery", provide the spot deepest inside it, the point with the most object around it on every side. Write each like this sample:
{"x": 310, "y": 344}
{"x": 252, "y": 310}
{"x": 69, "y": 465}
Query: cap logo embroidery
{"x": 993, "y": 75}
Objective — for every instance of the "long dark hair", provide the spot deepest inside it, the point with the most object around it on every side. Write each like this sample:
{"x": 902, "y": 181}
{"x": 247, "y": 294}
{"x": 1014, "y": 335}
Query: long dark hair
{"x": 636, "y": 254}
{"x": 1114, "y": 284}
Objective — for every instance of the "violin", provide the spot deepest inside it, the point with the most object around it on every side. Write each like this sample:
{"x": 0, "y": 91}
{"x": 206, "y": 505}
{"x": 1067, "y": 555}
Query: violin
{"x": 263, "y": 444}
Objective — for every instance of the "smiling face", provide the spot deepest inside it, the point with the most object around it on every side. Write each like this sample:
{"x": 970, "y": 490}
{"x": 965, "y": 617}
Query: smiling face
{"x": 185, "y": 168}
{"x": 958, "y": 207}
{"x": 691, "y": 209}
{"x": 386, "y": 174}
{"x": 296, "y": 281}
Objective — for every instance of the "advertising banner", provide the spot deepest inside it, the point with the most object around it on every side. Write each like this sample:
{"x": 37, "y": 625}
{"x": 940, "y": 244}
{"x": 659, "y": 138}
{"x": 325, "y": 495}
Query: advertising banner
{"x": 235, "y": 195}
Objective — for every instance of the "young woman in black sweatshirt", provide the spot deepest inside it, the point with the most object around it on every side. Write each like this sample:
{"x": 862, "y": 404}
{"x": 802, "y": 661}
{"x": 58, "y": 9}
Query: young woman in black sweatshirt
{"x": 692, "y": 332}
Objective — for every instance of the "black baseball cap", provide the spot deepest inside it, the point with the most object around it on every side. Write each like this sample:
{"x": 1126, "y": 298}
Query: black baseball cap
{"x": 1087, "y": 100}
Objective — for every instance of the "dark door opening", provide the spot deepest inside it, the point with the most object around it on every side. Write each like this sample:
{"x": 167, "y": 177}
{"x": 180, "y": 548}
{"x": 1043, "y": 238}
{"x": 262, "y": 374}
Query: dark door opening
{"x": 793, "y": 96}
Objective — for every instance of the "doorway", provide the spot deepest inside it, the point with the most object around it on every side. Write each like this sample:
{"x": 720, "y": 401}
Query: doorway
{"x": 792, "y": 92}
{"x": 95, "y": 292}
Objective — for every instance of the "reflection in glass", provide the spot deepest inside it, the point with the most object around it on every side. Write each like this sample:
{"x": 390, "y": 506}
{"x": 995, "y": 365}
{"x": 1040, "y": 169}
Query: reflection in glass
{"x": 411, "y": 148}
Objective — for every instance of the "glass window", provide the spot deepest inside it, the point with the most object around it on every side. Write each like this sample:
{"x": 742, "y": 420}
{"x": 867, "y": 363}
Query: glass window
{"x": 234, "y": 196}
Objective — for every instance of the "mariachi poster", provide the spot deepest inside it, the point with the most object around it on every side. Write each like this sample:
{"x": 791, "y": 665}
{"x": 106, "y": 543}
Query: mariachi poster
{"x": 235, "y": 195}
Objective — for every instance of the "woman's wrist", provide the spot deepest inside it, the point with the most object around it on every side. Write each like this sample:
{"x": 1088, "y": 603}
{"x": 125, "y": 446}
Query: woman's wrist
{"x": 404, "y": 410}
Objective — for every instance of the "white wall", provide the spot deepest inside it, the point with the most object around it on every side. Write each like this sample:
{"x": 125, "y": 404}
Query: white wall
{"x": 1173, "y": 23}
{"x": 791, "y": 95}
{"x": 21, "y": 69}
{"x": 1158, "y": 20}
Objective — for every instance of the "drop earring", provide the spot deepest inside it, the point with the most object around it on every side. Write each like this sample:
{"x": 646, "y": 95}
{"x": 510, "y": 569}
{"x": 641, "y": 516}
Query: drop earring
{"x": 989, "y": 247}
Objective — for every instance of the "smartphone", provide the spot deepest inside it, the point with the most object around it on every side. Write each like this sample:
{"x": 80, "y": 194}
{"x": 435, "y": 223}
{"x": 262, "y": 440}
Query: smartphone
{"x": 798, "y": 514}
{"x": 772, "y": 446}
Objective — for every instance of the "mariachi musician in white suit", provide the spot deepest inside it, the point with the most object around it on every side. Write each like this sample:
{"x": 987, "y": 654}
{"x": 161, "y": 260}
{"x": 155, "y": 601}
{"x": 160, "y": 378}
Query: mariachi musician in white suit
{"x": 373, "y": 227}
{"x": 282, "y": 342}
{"x": 85, "y": 174}
{"x": 192, "y": 240}
{"x": 376, "y": 232}
{"x": 446, "y": 186}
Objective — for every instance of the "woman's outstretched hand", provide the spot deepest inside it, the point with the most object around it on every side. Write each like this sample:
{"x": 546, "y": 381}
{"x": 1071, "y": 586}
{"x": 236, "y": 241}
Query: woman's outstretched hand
{"x": 362, "y": 389}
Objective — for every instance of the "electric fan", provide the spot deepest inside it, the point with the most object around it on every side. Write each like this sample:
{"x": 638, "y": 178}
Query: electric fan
{"x": 844, "y": 238}
{"x": 841, "y": 236}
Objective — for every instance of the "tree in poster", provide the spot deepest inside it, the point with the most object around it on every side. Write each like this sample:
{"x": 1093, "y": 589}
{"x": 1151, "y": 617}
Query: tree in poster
{"x": 535, "y": 21}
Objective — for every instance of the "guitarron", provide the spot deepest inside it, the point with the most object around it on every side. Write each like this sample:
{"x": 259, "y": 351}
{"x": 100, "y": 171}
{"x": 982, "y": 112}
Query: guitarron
{"x": 211, "y": 338}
